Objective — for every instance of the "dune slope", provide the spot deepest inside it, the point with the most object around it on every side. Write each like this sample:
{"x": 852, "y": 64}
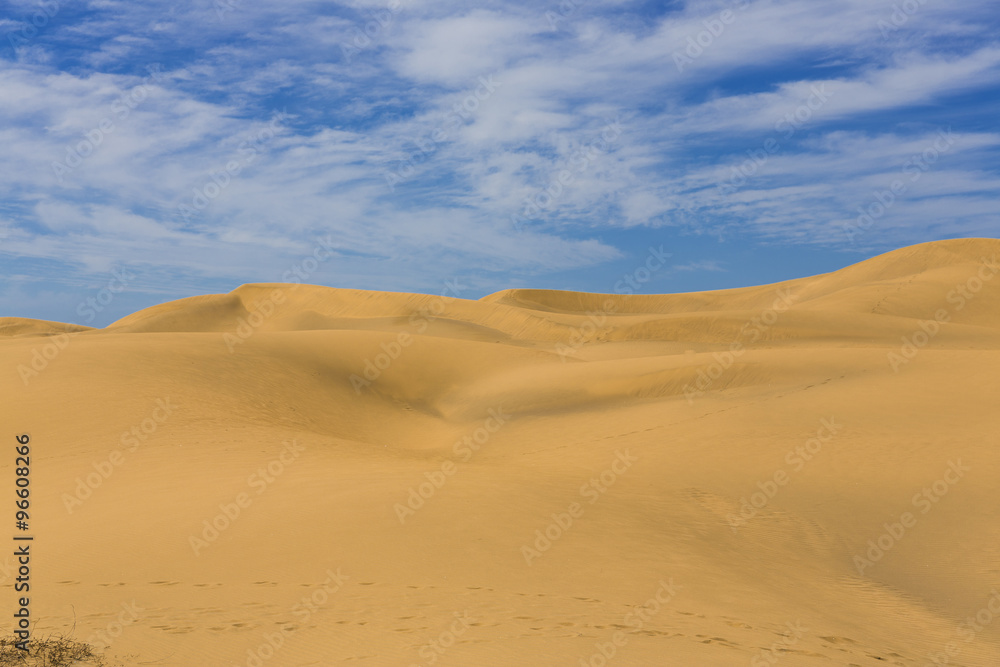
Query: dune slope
{"x": 801, "y": 474}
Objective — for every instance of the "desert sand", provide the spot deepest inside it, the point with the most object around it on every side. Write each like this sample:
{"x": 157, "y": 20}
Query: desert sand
{"x": 803, "y": 473}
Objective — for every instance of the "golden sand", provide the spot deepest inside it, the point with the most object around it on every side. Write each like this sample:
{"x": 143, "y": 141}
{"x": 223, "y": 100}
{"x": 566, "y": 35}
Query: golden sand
{"x": 287, "y": 475}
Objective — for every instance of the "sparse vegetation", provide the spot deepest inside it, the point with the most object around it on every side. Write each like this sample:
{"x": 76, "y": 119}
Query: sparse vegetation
{"x": 51, "y": 651}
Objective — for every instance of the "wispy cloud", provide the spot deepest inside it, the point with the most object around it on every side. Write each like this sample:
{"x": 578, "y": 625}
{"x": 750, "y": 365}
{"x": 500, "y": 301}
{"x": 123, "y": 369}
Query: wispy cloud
{"x": 388, "y": 140}
{"x": 700, "y": 265}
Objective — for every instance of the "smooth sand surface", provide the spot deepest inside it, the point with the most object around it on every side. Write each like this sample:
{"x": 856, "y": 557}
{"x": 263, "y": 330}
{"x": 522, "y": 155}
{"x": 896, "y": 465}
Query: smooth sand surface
{"x": 759, "y": 476}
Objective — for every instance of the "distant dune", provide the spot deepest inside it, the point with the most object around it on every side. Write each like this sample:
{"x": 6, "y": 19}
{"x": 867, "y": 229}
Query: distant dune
{"x": 803, "y": 473}
{"x": 21, "y": 326}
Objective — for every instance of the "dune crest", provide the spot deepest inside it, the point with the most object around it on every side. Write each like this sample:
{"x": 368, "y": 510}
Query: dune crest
{"x": 802, "y": 473}
{"x": 911, "y": 283}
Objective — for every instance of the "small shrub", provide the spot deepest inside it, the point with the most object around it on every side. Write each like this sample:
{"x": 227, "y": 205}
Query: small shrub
{"x": 51, "y": 651}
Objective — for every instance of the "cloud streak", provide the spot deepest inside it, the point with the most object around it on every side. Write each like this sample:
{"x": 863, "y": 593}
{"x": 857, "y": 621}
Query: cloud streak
{"x": 186, "y": 172}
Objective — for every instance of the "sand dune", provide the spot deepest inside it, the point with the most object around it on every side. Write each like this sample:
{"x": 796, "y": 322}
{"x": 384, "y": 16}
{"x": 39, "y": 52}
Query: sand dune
{"x": 19, "y": 326}
{"x": 803, "y": 473}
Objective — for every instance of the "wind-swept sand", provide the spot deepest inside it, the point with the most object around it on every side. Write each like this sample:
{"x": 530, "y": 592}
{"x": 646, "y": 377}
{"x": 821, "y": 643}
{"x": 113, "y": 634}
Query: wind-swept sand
{"x": 772, "y": 463}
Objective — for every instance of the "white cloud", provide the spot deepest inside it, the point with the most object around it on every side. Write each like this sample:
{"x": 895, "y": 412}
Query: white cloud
{"x": 351, "y": 123}
{"x": 452, "y": 50}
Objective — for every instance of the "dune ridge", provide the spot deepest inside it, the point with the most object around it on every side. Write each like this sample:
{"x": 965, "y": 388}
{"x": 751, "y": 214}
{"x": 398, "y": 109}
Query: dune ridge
{"x": 906, "y": 283}
{"x": 746, "y": 459}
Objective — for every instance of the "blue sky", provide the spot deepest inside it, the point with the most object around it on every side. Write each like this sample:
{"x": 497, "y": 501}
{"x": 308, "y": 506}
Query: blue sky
{"x": 203, "y": 145}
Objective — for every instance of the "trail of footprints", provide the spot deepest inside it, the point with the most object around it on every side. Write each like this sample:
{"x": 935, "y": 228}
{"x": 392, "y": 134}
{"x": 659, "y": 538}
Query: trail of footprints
{"x": 513, "y": 618}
